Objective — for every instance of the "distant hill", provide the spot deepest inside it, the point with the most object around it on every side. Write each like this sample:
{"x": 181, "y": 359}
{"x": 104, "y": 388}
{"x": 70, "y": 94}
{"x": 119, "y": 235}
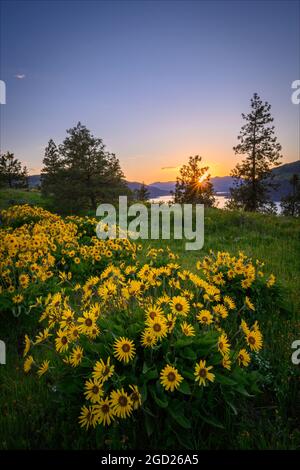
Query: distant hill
{"x": 164, "y": 185}
{"x": 34, "y": 180}
{"x": 153, "y": 190}
{"x": 282, "y": 175}
{"x": 221, "y": 184}
{"x": 287, "y": 170}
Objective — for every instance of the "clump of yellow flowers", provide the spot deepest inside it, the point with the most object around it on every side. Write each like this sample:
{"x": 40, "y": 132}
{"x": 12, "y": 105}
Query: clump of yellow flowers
{"x": 39, "y": 249}
{"x": 137, "y": 337}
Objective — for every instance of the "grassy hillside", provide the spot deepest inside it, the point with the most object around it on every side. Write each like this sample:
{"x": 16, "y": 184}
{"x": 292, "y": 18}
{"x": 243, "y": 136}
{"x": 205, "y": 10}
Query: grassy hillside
{"x": 272, "y": 239}
{"x": 30, "y": 419}
{"x": 9, "y": 197}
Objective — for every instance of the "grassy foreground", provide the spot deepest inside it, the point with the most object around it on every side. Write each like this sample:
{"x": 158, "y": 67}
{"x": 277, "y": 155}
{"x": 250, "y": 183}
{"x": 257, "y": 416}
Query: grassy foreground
{"x": 9, "y": 197}
{"x": 30, "y": 418}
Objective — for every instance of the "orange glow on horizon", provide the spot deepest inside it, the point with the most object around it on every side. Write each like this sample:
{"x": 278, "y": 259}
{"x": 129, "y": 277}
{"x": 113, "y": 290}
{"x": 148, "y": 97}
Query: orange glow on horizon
{"x": 153, "y": 171}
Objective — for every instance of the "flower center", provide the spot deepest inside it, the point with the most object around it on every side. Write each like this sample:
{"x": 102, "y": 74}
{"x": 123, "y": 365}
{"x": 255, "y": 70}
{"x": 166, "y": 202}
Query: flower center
{"x": 251, "y": 340}
{"x": 88, "y": 322}
{"x": 126, "y": 348}
{"x": 202, "y": 373}
{"x": 123, "y": 401}
{"x": 95, "y": 389}
{"x": 157, "y": 327}
{"x": 64, "y": 340}
{"x": 105, "y": 409}
{"x": 171, "y": 376}
{"x": 178, "y": 307}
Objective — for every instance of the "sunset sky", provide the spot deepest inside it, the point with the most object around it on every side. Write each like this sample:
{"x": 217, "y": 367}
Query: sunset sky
{"x": 157, "y": 81}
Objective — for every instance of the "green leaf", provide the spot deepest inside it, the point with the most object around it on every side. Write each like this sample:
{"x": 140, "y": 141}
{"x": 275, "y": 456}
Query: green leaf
{"x": 232, "y": 407}
{"x": 189, "y": 353}
{"x": 145, "y": 368}
{"x": 161, "y": 400}
{"x": 188, "y": 374}
{"x": 150, "y": 375}
{"x": 181, "y": 343}
{"x": 212, "y": 421}
{"x": 184, "y": 388}
{"x": 144, "y": 393}
{"x": 149, "y": 425}
{"x": 240, "y": 389}
{"x": 222, "y": 379}
{"x": 178, "y": 416}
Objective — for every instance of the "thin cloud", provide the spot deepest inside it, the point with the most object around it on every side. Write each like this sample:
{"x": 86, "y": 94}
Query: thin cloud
{"x": 20, "y": 76}
{"x": 170, "y": 168}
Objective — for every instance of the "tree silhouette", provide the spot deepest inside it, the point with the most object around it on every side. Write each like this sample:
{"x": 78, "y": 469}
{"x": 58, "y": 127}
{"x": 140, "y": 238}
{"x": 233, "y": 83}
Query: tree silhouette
{"x": 290, "y": 204}
{"x": 11, "y": 172}
{"x": 80, "y": 173}
{"x": 52, "y": 166}
{"x": 253, "y": 177}
{"x": 142, "y": 194}
{"x": 193, "y": 184}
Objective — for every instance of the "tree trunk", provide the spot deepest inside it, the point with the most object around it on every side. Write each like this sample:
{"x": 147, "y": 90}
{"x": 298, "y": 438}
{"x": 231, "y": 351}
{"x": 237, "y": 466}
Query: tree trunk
{"x": 254, "y": 202}
{"x": 93, "y": 202}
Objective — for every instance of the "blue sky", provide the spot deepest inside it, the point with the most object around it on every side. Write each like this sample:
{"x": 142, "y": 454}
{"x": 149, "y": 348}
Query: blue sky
{"x": 157, "y": 81}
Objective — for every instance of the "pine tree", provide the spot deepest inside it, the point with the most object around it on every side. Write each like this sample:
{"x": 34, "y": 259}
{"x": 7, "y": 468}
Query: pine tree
{"x": 52, "y": 166}
{"x": 24, "y": 178}
{"x": 11, "y": 172}
{"x": 290, "y": 204}
{"x": 142, "y": 194}
{"x": 253, "y": 176}
{"x": 193, "y": 186}
{"x": 80, "y": 173}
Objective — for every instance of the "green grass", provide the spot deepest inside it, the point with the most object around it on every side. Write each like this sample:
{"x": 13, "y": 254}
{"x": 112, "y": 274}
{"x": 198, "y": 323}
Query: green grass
{"x": 30, "y": 417}
{"x": 272, "y": 239}
{"x": 33, "y": 197}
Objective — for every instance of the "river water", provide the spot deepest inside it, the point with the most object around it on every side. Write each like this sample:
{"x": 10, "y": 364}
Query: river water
{"x": 220, "y": 201}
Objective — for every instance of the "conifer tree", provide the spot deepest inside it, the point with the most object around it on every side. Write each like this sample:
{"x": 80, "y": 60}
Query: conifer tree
{"x": 80, "y": 173}
{"x": 290, "y": 204}
{"x": 12, "y": 174}
{"x": 142, "y": 194}
{"x": 193, "y": 185}
{"x": 253, "y": 178}
{"x": 52, "y": 166}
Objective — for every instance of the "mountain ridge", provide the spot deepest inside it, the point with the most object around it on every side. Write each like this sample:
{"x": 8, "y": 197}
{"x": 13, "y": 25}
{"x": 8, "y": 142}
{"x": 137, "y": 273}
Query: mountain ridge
{"x": 282, "y": 175}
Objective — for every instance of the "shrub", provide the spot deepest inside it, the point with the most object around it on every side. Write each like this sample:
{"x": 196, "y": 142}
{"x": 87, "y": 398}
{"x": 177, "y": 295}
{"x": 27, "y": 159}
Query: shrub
{"x": 150, "y": 351}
